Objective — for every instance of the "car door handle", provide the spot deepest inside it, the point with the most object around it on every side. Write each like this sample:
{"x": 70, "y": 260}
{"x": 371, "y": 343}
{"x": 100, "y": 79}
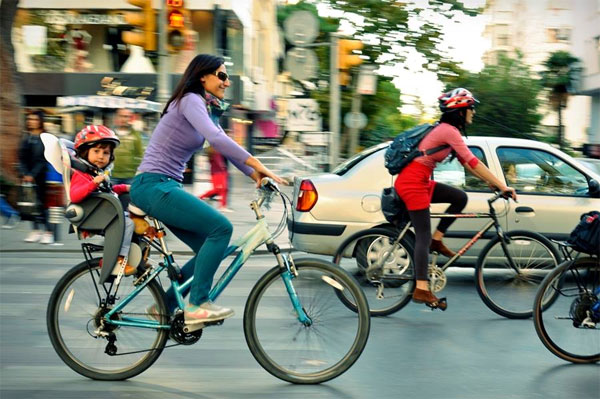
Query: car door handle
{"x": 524, "y": 209}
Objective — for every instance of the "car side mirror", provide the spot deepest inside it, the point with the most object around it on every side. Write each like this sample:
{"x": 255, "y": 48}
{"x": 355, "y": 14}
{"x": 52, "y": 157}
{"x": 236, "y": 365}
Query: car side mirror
{"x": 594, "y": 188}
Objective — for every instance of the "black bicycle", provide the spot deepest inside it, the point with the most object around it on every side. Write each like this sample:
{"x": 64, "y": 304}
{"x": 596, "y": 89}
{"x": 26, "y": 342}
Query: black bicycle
{"x": 567, "y": 308}
{"x": 508, "y": 272}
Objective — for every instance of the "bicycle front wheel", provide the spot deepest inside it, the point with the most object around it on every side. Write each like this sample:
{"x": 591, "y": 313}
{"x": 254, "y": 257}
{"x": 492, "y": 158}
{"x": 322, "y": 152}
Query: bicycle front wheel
{"x": 568, "y": 325}
{"x": 510, "y": 291}
{"x": 394, "y": 284}
{"x": 299, "y": 353}
{"x": 74, "y": 316}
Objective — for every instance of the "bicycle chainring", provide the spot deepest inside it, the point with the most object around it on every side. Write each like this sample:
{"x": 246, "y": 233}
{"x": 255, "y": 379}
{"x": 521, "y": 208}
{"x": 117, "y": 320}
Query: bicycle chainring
{"x": 581, "y": 308}
{"x": 437, "y": 278}
{"x": 178, "y": 335}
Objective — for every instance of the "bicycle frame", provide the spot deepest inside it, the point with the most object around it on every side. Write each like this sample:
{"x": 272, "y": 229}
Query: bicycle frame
{"x": 492, "y": 223}
{"x": 246, "y": 244}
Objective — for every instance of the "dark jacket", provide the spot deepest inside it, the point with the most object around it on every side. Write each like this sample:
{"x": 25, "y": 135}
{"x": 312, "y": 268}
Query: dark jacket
{"x": 31, "y": 157}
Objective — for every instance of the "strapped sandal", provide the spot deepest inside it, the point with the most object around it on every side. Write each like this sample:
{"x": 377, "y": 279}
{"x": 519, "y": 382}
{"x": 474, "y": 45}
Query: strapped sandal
{"x": 426, "y": 297}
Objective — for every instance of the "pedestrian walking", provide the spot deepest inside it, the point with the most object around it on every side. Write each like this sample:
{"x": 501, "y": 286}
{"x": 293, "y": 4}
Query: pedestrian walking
{"x": 129, "y": 153}
{"x": 33, "y": 167}
{"x": 191, "y": 117}
{"x": 219, "y": 177}
{"x": 11, "y": 215}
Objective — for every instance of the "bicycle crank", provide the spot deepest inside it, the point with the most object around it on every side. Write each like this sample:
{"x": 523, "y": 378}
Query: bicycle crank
{"x": 437, "y": 278}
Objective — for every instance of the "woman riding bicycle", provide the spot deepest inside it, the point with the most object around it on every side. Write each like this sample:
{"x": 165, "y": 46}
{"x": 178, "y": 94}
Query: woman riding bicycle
{"x": 190, "y": 117}
{"x": 417, "y": 190}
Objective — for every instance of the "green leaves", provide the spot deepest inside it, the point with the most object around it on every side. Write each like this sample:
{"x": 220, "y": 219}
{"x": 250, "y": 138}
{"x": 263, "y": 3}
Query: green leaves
{"x": 389, "y": 27}
{"x": 561, "y": 72}
{"x": 508, "y": 95}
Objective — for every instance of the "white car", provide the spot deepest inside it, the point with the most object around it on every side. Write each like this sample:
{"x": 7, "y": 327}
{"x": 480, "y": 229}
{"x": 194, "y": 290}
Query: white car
{"x": 554, "y": 190}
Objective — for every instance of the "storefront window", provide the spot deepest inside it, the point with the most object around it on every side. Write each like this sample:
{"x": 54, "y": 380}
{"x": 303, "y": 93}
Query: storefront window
{"x": 235, "y": 45}
{"x": 69, "y": 41}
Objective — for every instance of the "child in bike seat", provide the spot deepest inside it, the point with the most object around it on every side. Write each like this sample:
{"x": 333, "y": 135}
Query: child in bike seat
{"x": 95, "y": 146}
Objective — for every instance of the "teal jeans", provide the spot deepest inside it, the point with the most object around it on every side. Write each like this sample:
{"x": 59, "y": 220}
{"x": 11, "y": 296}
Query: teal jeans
{"x": 205, "y": 230}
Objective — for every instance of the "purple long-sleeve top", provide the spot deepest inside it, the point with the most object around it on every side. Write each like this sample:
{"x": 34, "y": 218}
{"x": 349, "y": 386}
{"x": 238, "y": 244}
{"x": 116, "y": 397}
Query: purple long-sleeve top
{"x": 181, "y": 132}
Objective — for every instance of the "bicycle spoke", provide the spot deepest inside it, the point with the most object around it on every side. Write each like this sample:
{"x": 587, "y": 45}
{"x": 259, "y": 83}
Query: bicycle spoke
{"x": 296, "y": 352}
{"x": 74, "y": 323}
{"x": 510, "y": 291}
{"x": 565, "y": 324}
{"x": 377, "y": 250}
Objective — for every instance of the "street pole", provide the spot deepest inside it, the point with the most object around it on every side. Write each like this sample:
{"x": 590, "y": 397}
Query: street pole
{"x": 353, "y": 131}
{"x": 164, "y": 91}
{"x": 334, "y": 102}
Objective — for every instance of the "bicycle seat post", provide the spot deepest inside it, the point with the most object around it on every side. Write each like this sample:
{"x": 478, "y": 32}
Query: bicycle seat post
{"x": 160, "y": 233}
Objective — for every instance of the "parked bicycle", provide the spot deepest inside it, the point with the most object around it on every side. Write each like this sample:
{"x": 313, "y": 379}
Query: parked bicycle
{"x": 508, "y": 271}
{"x": 294, "y": 323}
{"x": 567, "y": 308}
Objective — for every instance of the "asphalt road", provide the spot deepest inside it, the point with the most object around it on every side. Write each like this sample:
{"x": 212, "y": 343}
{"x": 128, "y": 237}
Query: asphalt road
{"x": 465, "y": 352}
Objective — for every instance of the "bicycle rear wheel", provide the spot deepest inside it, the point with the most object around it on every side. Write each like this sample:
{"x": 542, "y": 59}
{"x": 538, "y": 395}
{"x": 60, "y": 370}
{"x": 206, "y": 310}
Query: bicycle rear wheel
{"x": 396, "y": 281}
{"x": 507, "y": 291}
{"x": 74, "y": 313}
{"x": 295, "y": 352}
{"x": 561, "y": 324}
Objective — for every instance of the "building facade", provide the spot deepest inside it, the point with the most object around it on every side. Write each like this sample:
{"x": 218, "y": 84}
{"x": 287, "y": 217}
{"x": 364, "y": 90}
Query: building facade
{"x": 62, "y": 49}
{"x": 536, "y": 29}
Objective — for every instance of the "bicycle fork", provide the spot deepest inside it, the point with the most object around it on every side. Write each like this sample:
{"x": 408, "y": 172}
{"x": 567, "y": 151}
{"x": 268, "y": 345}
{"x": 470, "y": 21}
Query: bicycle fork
{"x": 288, "y": 273}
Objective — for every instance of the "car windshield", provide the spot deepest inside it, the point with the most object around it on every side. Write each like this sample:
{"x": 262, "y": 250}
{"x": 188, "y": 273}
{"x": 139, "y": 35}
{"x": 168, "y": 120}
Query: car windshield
{"x": 592, "y": 164}
{"x": 348, "y": 164}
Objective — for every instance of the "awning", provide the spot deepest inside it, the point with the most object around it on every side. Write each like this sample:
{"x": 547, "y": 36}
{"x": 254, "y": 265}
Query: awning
{"x": 109, "y": 102}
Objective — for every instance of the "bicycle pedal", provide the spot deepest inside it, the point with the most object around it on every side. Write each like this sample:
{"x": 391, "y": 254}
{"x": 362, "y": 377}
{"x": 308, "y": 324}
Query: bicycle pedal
{"x": 442, "y": 304}
{"x": 188, "y": 328}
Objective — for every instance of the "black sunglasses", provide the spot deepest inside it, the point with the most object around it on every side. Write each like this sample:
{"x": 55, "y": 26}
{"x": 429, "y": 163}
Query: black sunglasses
{"x": 222, "y": 76}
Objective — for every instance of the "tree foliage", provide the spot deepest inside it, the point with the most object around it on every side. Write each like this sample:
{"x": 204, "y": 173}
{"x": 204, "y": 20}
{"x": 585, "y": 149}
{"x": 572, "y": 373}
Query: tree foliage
{"x": 508, "y": 95}
{"x": 561, "y": 72}
{"x": 390, "y": 27}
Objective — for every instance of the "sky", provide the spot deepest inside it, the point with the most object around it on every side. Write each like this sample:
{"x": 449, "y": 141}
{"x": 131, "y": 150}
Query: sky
{"x": 467, "y": 46}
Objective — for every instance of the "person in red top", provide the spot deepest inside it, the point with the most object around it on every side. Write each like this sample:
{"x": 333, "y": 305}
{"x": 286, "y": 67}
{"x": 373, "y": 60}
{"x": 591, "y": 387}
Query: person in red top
{"x": 218, "y": 174}
{"x": 95, "y": 145}
{"x": 418, "y": 191}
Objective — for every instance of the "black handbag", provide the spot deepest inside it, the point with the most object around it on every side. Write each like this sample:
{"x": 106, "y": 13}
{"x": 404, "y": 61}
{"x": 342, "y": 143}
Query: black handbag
{"x": 393, "y": 208}
{"x": 28, "y": 204}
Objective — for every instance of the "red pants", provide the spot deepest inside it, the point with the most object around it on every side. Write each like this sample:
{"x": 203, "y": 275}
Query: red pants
{"x": 219, "y": 181}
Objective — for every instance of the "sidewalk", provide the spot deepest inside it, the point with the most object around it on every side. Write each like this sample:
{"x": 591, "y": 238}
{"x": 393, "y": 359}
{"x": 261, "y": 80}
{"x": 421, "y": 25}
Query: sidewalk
{"x": 243, "y": 219}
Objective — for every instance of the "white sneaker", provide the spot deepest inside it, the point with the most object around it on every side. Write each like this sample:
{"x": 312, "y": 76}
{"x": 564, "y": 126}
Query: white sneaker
{"x": 225, "y": 210}
{"x": 34, "y": 236}
{"x": 47, "y": 238}
{"x": 207, "y": 311}
{"x": 11, "y": 222}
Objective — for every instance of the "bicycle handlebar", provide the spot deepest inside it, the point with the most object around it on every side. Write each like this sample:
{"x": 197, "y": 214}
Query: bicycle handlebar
{"x": 267, "y": 183}
{"x": 499, "y": 194}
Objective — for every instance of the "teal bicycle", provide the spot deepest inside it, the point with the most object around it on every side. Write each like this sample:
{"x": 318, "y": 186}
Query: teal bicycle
{"x": 294, "y": 322}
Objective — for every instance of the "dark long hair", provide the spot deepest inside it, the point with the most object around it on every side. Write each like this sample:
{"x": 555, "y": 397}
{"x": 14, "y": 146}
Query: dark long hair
{"x": 40, "y": 114}
{"x": 456, "y": 118}
{"x": 202, "y": 64}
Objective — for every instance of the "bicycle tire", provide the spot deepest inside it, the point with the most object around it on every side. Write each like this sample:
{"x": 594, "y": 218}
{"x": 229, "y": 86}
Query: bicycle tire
{"x": 71, "y": 318}
{"x": 505, "y": 291}
{"x": 360, "y": 250}
{"x": 273, "y": 332}
{"x": 554, "y": 323}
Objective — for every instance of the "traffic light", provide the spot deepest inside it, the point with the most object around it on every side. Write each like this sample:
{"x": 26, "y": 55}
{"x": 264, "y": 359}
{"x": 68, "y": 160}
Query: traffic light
{"x": 346, "y": 58}
{"x": 176, "y": 20}
{"x": 145, "y": 23}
